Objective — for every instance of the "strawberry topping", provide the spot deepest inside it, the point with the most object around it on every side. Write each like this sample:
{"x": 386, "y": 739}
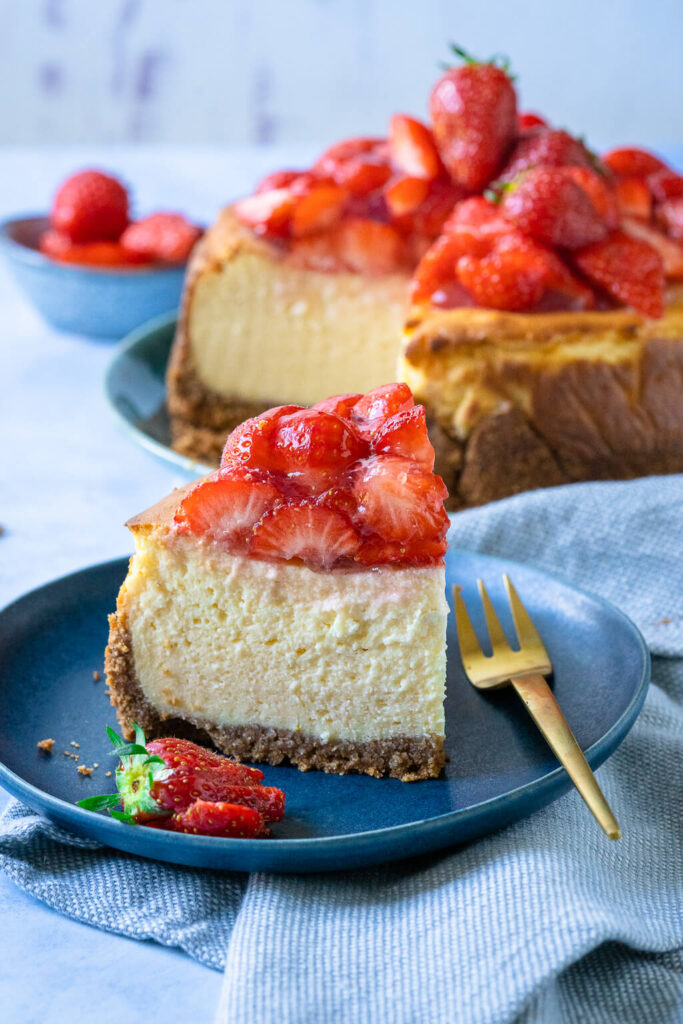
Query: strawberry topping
{"x": 328, "y": 486}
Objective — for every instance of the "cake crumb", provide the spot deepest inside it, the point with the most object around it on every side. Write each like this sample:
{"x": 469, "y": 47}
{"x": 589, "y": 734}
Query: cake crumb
{"x": 67, "y": 753}
{"x": 46, "y": 745}
{"x": 95, "y": 764}
{"x": 74, "y": 744}
{"x": 107, "y": 774}
{"x": 96, "y": 676}
{"x": 82, "y": 770}
{"x": 665, "y": 622}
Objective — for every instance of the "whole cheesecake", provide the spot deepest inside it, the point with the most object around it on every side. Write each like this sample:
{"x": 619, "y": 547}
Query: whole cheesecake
{"x": 527, "y": 290}
{"x": 292, "y": 604}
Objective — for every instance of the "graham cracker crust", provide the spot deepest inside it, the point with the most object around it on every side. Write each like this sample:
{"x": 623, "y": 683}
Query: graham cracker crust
{"x": 408, "y": 758}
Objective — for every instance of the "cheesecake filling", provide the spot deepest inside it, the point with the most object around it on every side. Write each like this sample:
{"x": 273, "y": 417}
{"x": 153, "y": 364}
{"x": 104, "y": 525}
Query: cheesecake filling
{"x": 342, "y": 655}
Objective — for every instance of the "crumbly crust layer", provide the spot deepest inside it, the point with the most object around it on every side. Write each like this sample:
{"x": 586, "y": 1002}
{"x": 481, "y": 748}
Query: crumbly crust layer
{"x": 408, "y": 758}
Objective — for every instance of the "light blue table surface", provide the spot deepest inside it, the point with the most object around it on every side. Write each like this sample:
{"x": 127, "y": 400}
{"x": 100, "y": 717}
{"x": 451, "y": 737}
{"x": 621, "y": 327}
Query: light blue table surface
{"x": 69, "y": 478}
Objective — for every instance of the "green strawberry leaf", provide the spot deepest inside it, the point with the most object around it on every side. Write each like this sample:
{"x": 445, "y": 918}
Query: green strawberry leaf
{"x": 115, "y": 738}
{"x": 129, "y": 749}
{"x": 120, "y": 816}
{"x": 100, "y": 803}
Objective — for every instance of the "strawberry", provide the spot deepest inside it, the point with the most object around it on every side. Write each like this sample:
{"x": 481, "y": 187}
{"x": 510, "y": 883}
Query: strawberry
{"x": 601, "y": 192}
{"x": 163, "y": 237}
{"x": 629, "y": 162}
{"x": 318, "y": 209}
{"x": 629, "y": 269}
{"x": 315, "y": 534}
{"x": 341, "y": 405}
{"x": 399, "y": 500}
{"x": 278, "y": 179}
{"x": 429, "y": 217}
{"x": 634, "y": 198}
{"x": 549, "y": 206}
{"x": 382, "y": 402}
{"x": 670, "y": 216}
{"x": 436, "y": 269}
{"x": 177, "y": 785}
{"x": 529, "y": 120}
{"x": 513, "y": 279}
{"x": 546, "y": 147}
{"x": 474, "y": 114}
{"x": 315, "y": 447}
{"x": 405, "y": 195}
{"x": 412, "y": 148}
{"x": 334, "y": 159}
{"x": 670, "y": 251}
{"x": 665, "y": 184}
{"x": 225, "y": 506}
{"x": 367, "y": 247}
{"x": 268, "y": 213}
{"x": 249, "y": 444}
{"x": 405, "y": 434}
{"x": 339, "y": 500}
{"x": 95, "y": 254}
{"x": 362, "y": 175}
{"x": 90, "y": 207}
{"x": 375, "y": 551}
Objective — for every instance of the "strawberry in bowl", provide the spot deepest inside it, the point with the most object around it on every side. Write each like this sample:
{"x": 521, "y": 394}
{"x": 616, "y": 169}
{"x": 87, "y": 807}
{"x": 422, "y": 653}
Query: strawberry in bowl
{"x": 89, "y": 268}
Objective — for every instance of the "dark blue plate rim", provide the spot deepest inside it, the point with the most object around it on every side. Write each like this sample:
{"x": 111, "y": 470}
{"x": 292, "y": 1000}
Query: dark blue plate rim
{"x": 431, "y": 832}
{"x": 131, "y": 343}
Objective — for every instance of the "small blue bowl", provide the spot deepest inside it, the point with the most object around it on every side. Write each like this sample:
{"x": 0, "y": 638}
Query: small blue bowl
{"x": 99, "y": 302}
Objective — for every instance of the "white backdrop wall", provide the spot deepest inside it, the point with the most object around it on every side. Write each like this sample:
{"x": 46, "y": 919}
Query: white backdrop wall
{"x": 264, "y": 71}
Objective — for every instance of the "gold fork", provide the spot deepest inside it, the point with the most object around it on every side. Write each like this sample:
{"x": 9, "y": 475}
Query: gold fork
{"x": 525, "y": 669}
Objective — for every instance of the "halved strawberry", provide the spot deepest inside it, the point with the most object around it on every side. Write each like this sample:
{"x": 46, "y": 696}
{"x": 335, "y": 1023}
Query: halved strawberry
{"x": 225, "y": 506}
{"x": 94, "y": 254}
{"x": 629, "y": 269}
{"x": 278, "y": 179}
{"x": 249, "y": 444}
{"x": 375, "y": 551}
{"x": 429, "y": 217}
{"x": 341, "y": 153}
{"x": 399, "y": 500}
{"x": 629, "y": 162}
{"x": 436, "y": 269}
{"x": 670, "y": 216}
{"x": 318, "y": 209}
{"x": 384, "y": 401}
{"x": 665, "y": 184}
{"x": 218, "y": 819}
{"x": 267, "y": 213}
{"x": 317, "y": 535}
{"x": 338, "y": 499}
{"x": 513, "y": 279}
{"x": 362, "y": 175}
{"x": 405, "y": 194}
{"x": 184, "y": 757}
{"x": 601, "y": 191}
{"x": 405, "y": 434}
{"x": 341, "y": 405}
{"x": 368, "y": 247}
{"x": 634, "y": 198}
{"x": 412, "y": 148}
{"x": 179, "y": 791}
{"x": 670, "y": 251}
{"x": 313, "y": 447}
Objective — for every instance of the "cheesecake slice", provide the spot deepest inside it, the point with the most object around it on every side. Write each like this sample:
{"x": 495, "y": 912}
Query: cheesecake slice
{"x": 292, "y": 604}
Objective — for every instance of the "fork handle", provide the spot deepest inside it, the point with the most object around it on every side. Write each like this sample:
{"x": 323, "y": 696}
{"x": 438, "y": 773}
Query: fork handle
{"x": 545, "y": 711}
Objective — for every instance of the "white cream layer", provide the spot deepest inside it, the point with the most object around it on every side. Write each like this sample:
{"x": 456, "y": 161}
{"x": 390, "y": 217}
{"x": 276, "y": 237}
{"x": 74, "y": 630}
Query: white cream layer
{"x": 266, "y": 331}
{"x": 339, "y": 655}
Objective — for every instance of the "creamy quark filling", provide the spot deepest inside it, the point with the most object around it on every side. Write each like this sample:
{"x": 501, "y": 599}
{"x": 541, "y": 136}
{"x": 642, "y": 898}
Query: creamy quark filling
{"x": 352, "y": 655}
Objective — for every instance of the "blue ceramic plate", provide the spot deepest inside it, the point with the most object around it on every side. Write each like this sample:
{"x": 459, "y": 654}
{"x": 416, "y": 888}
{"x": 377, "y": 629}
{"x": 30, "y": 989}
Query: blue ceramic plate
{"x": 100, "y": 302}
{"x": 499, "y": 770}
{"x": 135, "y": 387}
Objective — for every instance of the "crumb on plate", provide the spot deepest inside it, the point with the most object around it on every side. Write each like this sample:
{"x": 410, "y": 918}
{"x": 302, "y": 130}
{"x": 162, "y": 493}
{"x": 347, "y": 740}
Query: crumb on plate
{"x": 46, "y": 745}
{"x": 82, "y": 770}
{"x": 96, "y": 676}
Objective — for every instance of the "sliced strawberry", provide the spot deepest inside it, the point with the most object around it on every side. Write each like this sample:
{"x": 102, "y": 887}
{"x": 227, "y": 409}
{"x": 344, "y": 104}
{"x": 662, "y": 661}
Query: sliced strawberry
{"x": 670, "y": 251}
{"x": 184, "y": 757}
{"x": 405, "y": 194}
{"x": 362, "y": 175}
{"x": 370, "y": 248}
{"x": 375, "y": 551}
{"x": 218, "y": 819}
{"x": 429, "y": 217}
{"x": 629, "y": 269}
{"x": 601, "y": 192}
{"x": 341, "y": 153}
{"x": 384, "y": 401}
{"x": 412, "y": 148}
{"x": 338, "y": 499}
{"x": 317, "y": 210}
{"x": 529, "y": 120}
{"x": 267, "y": 800}
{"x": 225, "y": 506}
{"x": 163, "y": 237}
{"x": 250, "y": 445}
{"x": 180, "y": 790}
{"x": 405, "y": 434}
{"x": 313, "y": 447}
{"x": 341, "y": 405}
{"x": 670, "y": 216}
{"x": 399, "y": 500}
{"x": 665, "y": 184}
{"x": 93, "y": 254}
{"x": 436, "y": 269}
{"x": 267, "y": 213}
{"x": 629, "y": 162}
{"x": 634, "y": 198}
{"x": 317, "y": 535}
{"x": 553, "y": 209}
{"x": 276, "y": 180}
{"x": 513, "y": 279}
